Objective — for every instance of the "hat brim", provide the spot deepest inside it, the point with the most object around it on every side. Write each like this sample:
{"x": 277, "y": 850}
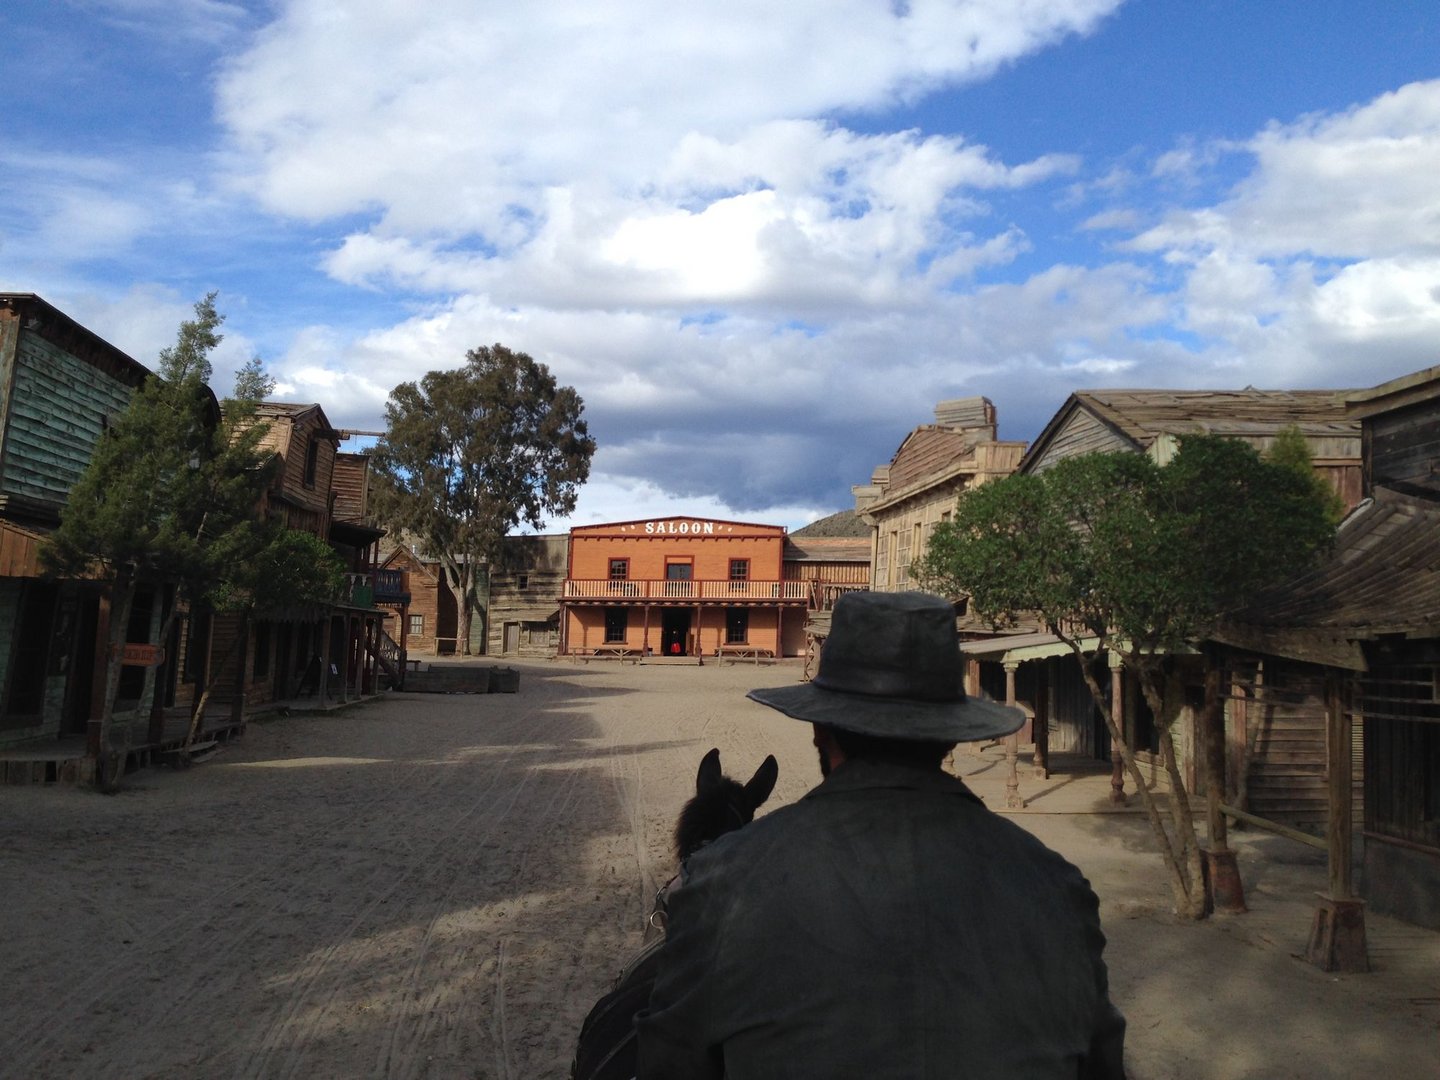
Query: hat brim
{"x": 968, "y": 720}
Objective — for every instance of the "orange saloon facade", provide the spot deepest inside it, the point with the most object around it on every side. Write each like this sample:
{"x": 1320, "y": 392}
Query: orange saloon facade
{"x": 678, "y": 586}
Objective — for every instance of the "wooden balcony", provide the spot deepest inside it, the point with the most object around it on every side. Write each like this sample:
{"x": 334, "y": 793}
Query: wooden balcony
{"x": 714, "y": 592}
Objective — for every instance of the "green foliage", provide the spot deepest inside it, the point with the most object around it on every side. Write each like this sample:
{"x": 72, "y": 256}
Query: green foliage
{"x": 275, "y": 570}
{"x": 252, "y": 382}
{"x": 1290, "y": 450}
{"x": 471, "y": 453}
{"x": 1128, "y": 551}
{"x": 163, "y": 479}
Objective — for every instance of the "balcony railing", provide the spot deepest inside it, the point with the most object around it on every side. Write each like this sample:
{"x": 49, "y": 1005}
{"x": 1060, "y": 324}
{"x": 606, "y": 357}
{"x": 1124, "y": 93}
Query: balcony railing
{"x": 730, "y": 591}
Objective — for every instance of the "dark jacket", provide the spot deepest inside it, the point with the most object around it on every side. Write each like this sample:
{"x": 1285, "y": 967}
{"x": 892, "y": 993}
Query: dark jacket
{"x": 887, "y": 925}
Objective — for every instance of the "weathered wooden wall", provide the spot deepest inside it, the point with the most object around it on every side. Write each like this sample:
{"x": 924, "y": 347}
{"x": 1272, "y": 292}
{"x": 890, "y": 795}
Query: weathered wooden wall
{"x": 58, "y": 408}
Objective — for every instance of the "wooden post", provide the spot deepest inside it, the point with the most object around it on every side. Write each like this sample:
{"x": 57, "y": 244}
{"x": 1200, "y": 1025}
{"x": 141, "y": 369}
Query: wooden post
{"x": 1013, "y": 801}
{"x": 1225, "y": 892}
{"x": 242, "y": 661}
{"x": 324, "y": 682}
{"x": 1117, "y": 710}
{"x": 1337, "y": 935}
{"x": 94, "y": 723}
{"x": 972, "y": 689}
{"x": 1040, "y": 724}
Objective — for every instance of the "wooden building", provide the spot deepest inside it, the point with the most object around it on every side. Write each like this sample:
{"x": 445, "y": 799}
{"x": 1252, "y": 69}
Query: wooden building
{"x": 1153, "y": 421}
{"x": 1044, "y": 676}
{"x": 329, "y": 652}
{"x": 60, "y": 385}
{"x": 431, "y": 621}
{"x": 678, "y": 587}
{"x": 523, "y": 602}
{"x": 1356, "y": 644}
{"x": 907, "y": 498}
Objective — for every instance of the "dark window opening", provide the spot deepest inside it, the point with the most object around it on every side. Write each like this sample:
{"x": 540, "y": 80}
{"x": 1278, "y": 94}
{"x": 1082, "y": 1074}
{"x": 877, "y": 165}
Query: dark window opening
{"x": 27, "y": 662}
{"x": 261, "y": 669}
{"x": 619, "y": 569}
{"x": 137, "y": 630}
{"x": 195, "y": 641}
{"x": 617, "y": 622}
{"x": 739, "y": 569}
{"x": 737, "y": 626}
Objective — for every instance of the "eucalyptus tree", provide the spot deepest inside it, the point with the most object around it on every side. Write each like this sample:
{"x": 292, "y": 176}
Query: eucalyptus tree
{"x": 473, "y": 452}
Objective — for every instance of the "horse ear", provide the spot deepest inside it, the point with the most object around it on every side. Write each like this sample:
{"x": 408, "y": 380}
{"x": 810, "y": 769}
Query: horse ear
{"x": 709, "y": 775}
{"x": 758, "y": 789}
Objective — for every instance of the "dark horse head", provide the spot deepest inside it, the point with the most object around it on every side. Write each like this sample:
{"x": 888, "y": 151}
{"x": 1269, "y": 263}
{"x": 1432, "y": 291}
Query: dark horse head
{"x": 720, "y": 804}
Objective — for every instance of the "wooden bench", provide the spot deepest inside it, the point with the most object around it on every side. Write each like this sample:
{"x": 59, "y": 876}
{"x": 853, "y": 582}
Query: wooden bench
{"x": 612, "y": 652}
{"x": 754, "y": 653}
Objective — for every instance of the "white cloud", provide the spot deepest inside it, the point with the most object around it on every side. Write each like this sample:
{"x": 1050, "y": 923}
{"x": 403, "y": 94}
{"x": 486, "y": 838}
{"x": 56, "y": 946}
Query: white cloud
{"x": 1355, "y": 185}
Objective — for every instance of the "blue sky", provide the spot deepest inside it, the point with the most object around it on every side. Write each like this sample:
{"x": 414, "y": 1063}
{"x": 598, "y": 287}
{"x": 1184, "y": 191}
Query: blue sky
{"x": 761, "y": 242}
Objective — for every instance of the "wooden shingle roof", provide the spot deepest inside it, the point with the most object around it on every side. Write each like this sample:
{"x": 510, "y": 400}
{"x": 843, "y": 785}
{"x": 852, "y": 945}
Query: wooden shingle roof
{"x": 1383, "y": 578}
{"x": 1139, "y": 417}
{"x": 827, "y": 549}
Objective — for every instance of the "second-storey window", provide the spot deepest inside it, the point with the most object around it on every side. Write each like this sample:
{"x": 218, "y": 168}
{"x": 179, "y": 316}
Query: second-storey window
{"x": 312, "y": 461}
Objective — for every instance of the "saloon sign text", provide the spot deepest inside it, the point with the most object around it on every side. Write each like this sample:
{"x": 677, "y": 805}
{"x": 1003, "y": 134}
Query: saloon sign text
{"x": 680, "y": 528}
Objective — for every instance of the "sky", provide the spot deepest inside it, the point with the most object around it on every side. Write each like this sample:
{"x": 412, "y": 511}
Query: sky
{"x": 761, "y": 241}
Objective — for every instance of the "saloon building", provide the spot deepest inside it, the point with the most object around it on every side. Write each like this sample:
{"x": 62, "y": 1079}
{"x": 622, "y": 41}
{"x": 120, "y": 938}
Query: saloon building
{"x": 679, "y": 586}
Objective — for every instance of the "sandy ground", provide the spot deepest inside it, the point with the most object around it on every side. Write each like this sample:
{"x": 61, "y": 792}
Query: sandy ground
{"x": 441, "y": 885}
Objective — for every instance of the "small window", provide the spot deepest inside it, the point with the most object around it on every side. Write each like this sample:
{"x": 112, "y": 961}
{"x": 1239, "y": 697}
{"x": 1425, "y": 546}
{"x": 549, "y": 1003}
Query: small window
{"x": 737, "y": 625}
{"x": 677, "y": 571}
{"x": 522, "y": 582}
{"x": 739, "y": 569}
{"x": 417, "y": 625}
{"x": 619, "y": 569}
{"x": 617, "y": 622}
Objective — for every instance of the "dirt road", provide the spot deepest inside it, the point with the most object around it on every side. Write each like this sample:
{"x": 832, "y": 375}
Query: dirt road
{"x": 441, "y": 885}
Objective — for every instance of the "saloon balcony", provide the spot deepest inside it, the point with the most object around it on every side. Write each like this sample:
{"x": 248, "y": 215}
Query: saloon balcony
{"x": 581, "y": 591}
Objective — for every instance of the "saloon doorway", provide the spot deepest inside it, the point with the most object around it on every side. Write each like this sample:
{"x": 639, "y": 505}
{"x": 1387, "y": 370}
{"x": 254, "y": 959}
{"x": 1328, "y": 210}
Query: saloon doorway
{"x": 674, "y": 631}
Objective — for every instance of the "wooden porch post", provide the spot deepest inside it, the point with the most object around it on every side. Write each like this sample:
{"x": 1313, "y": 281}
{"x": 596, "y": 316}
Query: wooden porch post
{"x": 972, "y": 689}
{"x": 1040, "y": 723}
{"x": 325, "y": 628}
{"x": 645, "y": 640}
{"x": 1117, "y": 710}
{"x": 1225, "y": 892}
{"x": 242, "y": 662}
{"x": 1337, "y": 935}
{"x": 1013, "y": 801}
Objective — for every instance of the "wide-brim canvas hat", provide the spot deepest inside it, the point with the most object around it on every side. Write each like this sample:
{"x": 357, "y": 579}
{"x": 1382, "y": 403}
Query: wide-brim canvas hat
{"x": 891, "y": 667}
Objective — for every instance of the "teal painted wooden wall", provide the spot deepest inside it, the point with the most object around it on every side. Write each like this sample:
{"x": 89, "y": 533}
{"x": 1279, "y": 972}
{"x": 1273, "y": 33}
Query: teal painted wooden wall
{"x": 57, "y": 412}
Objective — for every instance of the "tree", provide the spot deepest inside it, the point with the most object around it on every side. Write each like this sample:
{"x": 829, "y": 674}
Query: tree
{"x": 1115, "y": 553}
{"x": 252, "y": 382}
{"x": 170, "y": 497}
{"x": 471, "y": 453}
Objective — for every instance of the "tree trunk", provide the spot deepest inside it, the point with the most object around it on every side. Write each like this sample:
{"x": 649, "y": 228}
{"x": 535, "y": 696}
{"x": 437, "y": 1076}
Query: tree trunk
{"x": 1174, "y": 860}
{"x": 1165, "y": 705}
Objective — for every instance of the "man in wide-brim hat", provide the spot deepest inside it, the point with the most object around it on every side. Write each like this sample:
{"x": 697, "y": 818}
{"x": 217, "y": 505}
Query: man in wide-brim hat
{"x": 888, "y": 924}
